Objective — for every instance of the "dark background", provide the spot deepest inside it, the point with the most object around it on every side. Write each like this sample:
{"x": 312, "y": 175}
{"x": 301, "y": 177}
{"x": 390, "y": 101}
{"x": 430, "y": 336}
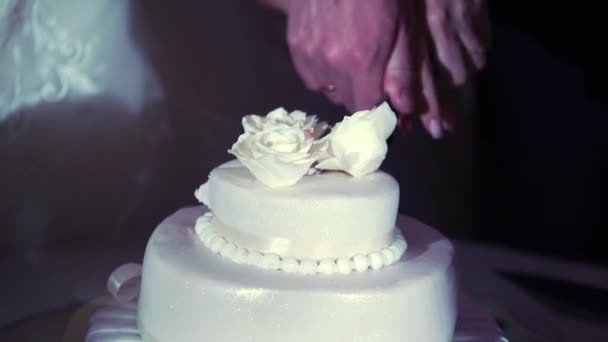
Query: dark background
{"x": 540, "y": 138}
{"x": 524, "y": 169}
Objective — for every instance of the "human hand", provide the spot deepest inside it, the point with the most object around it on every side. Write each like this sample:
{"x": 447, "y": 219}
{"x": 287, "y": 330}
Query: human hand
{"x": 435, "y": 116}
{"x": 341, "y": 47}
{"x": 409, "y": 80}
{"x": 416, "y": 92}
{"x": 461, "y": 34}
{"x": 458, "y": 30}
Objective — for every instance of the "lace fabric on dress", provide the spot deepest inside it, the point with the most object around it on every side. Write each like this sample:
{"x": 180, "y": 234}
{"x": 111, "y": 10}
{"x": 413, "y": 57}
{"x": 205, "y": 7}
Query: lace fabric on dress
{"x": 42, "y": 61}
{"x": 50, "y": 50}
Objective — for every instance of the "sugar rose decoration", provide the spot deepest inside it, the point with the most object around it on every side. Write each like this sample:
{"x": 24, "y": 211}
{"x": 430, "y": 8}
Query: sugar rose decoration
{"x": 280, "y": 147}
{"x": 357, "y": 145}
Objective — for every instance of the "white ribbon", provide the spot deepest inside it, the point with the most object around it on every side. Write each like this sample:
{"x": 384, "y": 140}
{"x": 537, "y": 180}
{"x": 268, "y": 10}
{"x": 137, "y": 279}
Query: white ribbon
{"x": 118, "y": 323}
{"x": 124, "y": 282}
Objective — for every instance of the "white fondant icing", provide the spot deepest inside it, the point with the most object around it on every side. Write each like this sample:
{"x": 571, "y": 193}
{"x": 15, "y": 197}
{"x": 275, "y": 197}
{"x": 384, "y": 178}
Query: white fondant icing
{"x": 270, "y": 262}
{"x": 188, "y": 293}
{"x": 205, "y": 229}
{"x": 229, "y": 251}
{"x": 313, "y": 219}
{"x": 327, "y": 266}
{"x": 361, "y": 263}
{"x": 290, "y": 265}
{"x": 375, "y": 260}
{"x": 254, "y": 258}
{"x": 307, "y": 266}
{"x": 115, "y": 322}
{"x": 345, "y": 265}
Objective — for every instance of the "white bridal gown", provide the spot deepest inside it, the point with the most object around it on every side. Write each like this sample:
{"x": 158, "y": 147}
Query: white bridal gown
{"x": 56, "y": 50}
{"x": 78, "y": 136}
{"x": 79, "y": 118}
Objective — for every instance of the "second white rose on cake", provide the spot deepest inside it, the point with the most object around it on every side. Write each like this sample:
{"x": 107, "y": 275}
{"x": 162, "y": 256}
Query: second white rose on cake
{"x": 357, "y": 144}
{"x": 280, "y": 148}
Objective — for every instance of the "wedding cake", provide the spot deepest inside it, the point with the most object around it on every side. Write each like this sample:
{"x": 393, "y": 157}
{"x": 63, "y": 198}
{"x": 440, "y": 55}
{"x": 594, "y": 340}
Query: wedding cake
{"x": 298, "y": 239}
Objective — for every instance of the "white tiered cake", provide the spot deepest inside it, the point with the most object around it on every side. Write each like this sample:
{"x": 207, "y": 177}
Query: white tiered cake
{"x": 298, "y": 242}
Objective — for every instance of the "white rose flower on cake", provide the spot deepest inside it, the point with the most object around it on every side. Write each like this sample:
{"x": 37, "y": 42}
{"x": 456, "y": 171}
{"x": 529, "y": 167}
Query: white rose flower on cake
{"x": 279, "y": 148}
{"x": 280, "y": 118}
{"x": 357, "y": 145}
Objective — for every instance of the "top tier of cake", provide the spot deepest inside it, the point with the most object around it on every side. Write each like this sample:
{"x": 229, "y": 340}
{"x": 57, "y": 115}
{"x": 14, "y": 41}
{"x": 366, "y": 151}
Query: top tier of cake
{"x": 330, "y": 215}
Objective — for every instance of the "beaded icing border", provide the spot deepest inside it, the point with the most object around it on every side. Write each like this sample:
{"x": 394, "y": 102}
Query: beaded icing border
{"x": 345, "y": 265}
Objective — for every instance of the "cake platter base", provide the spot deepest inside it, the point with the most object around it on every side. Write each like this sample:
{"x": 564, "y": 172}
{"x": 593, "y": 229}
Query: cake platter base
{"x": 107, "y": 320}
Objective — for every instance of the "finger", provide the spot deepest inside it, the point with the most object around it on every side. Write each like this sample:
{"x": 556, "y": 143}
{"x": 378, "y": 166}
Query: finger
{"x": 471, "y": 40}
{"x": 401, "y": 78}
{"x": 447, "y": 46}
{"x": 431, "y": 115}
{"x": 470, "y": 37}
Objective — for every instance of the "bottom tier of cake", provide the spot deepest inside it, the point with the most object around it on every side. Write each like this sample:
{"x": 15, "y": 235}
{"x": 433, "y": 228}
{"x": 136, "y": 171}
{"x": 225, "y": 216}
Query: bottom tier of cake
{"x": 188, "y": 293}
